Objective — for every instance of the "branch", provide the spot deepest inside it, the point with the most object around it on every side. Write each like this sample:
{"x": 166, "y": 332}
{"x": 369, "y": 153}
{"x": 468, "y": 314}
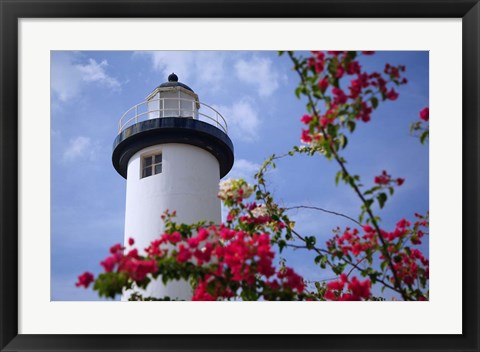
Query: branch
{"x": 353, "y": 184}
{"x": 325, "y": 211}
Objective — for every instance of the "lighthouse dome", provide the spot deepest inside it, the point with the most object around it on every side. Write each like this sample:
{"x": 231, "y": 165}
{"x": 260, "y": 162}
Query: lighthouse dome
{"x": 173, "y": 82}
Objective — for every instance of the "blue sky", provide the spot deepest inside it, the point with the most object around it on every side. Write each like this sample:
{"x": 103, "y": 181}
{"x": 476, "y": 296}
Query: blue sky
{"x": 254, "y": 91}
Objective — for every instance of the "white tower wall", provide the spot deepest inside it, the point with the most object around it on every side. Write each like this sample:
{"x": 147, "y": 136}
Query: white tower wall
{"x": 187, "y": 184}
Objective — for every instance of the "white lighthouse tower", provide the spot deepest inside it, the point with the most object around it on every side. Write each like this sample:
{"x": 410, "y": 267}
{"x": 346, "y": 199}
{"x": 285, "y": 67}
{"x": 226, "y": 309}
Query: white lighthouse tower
{"x": 173, "y": 150}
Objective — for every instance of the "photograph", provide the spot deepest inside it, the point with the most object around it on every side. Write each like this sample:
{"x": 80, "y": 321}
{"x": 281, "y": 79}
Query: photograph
{"x": 239, "y": 175}
{"x": 203, "y": 175}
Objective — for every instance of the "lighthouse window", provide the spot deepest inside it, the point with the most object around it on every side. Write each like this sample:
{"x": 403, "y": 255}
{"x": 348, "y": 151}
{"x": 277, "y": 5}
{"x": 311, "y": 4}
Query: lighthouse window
{"x": 151, "y": 165}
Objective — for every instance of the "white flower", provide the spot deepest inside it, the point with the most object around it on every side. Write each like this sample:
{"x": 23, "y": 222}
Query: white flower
{"x": 232, "y": 189}
{"x": 260, "y": 210}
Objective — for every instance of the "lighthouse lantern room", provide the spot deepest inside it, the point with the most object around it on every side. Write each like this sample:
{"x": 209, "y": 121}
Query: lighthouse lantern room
{"x": 172, "y": 149}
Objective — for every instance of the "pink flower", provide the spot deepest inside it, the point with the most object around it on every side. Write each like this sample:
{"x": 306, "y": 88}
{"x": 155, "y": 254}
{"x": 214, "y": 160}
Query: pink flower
{"x": 306, "y": 137}
{"x": 383, "y": 179}
{"x": 324, "y": 121}
{"x": 424, "y": 114}
{"x": 367, "y": 228}
{"x": 340, "y": 72}
{"x": 175, "y": 237}
{"x": 85, "y": 279}
{"x": 193, "y": 242}
{"x": 340, "y": 97}
{"x": 403, "y": 223}
{"x": 109, "y": 263}
{"x": 360, "y": 289}
{"x": 202, "y": 234}
{"x": 392, "y": 95}
{"x": 183, "y": 254}
{"x": 336, "y": 285}
{"x": 116, "y": 248}
{"x": 353, "y": 68}
{"x": 306, "y": 119}
{"x": 323, "y": 84}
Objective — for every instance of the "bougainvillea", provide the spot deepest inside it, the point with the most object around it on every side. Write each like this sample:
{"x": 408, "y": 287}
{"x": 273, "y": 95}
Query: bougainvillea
{"x": 236, "y": 259}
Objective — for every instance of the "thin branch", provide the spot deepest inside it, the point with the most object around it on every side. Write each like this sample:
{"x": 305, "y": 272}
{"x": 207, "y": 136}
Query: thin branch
{"x": 354, "y": 186}
{"x": 325, "y": 211}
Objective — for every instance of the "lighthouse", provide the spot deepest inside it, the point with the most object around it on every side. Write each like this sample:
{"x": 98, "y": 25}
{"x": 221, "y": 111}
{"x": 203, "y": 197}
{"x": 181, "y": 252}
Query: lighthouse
{"x": 172, "y": 150}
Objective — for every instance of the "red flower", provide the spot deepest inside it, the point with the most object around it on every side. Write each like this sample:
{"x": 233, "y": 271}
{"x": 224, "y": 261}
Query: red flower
{"x": 355, "y": 88}
{"x": 424, "y": 114}
{"x": 400, "y": 181}
{"x": 368, "y": 52}
{"x": 336, "y": 285}
{"x": 392, "y": 94}
{"x": 202, "y": 234}
{"x": 175, "y": 237}
{"x": 306, "y": 137}
{"x": 324, "y": 121}
{"x": 330, "y": 295}
{"x": 116, "y": 248}
{"x": 183, "y": 254}
{"x": 318, "y": 67}
{"x": 340, "y": 97}
{"x": 340, "y": 72}
{"x": 353, "y": 68}
{"x": 403, "y": 223}
{"x": 84, "y": 280}
{"x": 193, "y": 242}
{"x": 133, "y": 254}
{"x": 383, "y": 179}
{"x": 109, "y": 263}
{"x": 367, "y": 228}
{"x": 360, "y": 289}
{"x": 306, "y": 119}
{"x": 323, "y": 84}
{"x": 131, "y": 241}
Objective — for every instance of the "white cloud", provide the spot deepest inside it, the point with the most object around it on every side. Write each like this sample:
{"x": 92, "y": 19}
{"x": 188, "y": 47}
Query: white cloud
{"x": 79, "y": 147}
{"x": 245, "y": 169}
{"x": 242, "y": 120}
{"x": 66, "y": 81}
{"x": 69, "y": 78}
{"x": 208, "y": 66}
{"x": 95, "y": 72}
{"x": 259, "y": 72}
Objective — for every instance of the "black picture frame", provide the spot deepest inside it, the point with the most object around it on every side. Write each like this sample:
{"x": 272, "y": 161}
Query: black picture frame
{"x": 12, "y": 10}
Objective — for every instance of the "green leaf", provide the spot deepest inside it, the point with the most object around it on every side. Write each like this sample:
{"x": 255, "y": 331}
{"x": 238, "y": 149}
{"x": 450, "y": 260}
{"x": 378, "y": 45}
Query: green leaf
{"x": 298, "y": 92}
{"x": 372, "y": 190}
{"x": 368, "y": 203}
{"x": 343, "y": 141}
{"x": 310, "y": 242}
{"x": 339, "y": 268}
{"x": 382, "y": 198}
{"x": 351, "y": 125}
{"x": 374, "y": 101}
{"x": 338, "y": 176}
{"x": 424, "y": 136}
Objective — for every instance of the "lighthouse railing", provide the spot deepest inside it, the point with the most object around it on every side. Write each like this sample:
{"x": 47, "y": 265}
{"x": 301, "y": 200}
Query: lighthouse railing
{"x": 156, "y": 108}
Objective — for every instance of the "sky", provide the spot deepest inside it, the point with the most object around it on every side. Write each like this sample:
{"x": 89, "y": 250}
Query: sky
{"x": 254, "y": 91}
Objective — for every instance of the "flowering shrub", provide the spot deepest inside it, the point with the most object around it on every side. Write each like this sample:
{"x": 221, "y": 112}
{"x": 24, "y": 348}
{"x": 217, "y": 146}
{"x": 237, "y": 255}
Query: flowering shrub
{"x": 227, "y": 261}
{"x": 235, "y": 259}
